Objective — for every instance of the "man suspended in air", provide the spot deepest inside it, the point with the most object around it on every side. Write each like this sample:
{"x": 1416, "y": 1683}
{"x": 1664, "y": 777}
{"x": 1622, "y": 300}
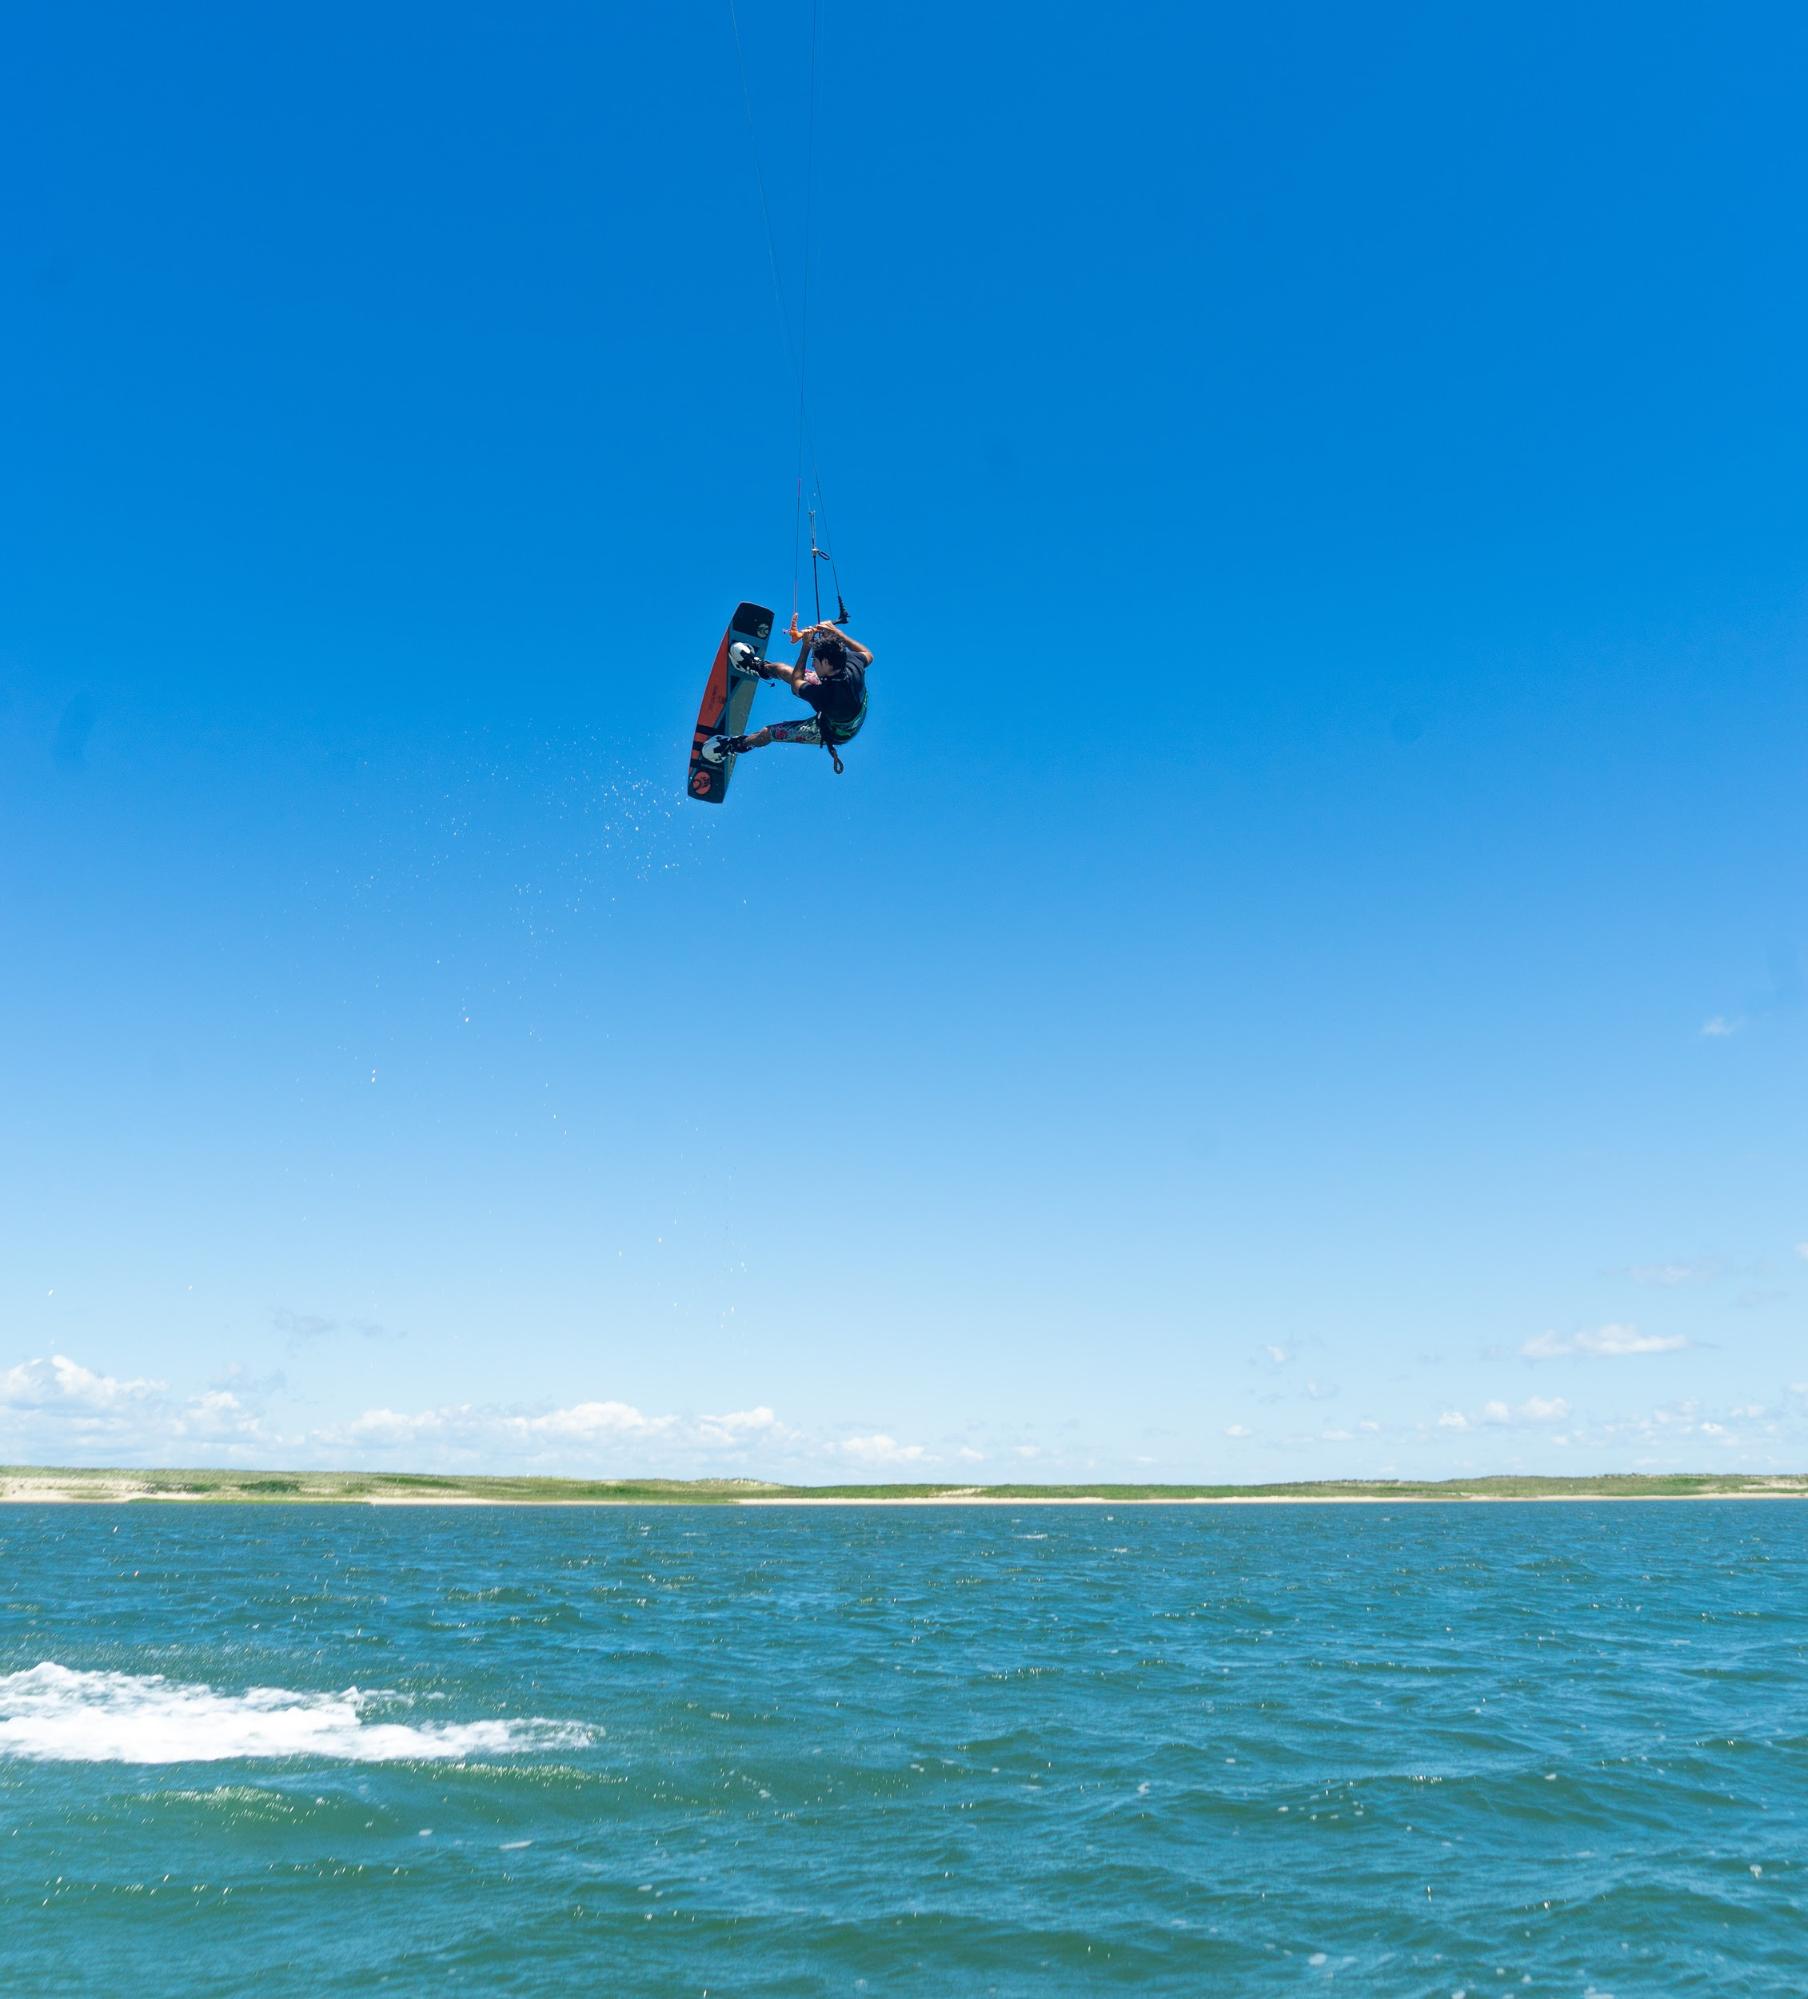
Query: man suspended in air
{"x": 830, "y": 675}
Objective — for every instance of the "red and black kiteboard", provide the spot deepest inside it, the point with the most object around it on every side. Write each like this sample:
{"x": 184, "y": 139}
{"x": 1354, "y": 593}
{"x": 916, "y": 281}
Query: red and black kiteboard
{"x": 727, "y": 701}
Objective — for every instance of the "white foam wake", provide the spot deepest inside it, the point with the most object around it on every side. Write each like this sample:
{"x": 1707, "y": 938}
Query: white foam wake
{"x": 57, "y": 1715}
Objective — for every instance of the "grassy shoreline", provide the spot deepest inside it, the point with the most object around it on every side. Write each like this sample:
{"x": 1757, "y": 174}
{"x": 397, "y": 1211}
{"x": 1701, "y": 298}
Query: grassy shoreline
{"x": 96, "y": 1486}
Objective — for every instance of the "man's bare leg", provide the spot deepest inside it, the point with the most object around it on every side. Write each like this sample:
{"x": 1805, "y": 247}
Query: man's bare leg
{"x": 719, "y": 747}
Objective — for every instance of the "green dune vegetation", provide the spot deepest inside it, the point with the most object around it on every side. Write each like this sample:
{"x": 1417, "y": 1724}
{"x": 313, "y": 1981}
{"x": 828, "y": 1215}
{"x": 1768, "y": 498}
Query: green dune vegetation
{"x": 110, "y": 1486}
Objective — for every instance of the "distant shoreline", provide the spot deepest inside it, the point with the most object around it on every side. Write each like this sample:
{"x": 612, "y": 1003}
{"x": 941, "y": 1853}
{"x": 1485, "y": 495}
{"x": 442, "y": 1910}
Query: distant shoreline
{"x": 28, "y": 1485}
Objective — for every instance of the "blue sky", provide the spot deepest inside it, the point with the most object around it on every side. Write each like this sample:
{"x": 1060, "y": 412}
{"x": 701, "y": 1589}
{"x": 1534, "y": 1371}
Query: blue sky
{"x": 1303, "y": 974}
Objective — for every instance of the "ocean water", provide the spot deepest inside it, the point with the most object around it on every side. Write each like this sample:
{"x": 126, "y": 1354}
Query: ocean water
{"x": 1036, "y": 1750}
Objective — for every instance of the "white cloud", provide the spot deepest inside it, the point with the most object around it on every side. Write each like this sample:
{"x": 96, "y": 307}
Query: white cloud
{"x": 60, "y": 1411}
{"x": 1278, "y": 1356}
{"x": 589, "y": 1422}
{"x": 740, "y": 1426}
{"x": 219, "y": 1417}
{"x": 1671, "y": 1274}
{"x": 61, "y": 1384}
{"x": 1498, "y": 1414}
{"x": 739, "y": 1420}
{"x": 880, "y": 1449}
{"x": 463, "y": 1423}
{"x": 1614, "y": 1342}
{"x": 1235, "y": 1430}
{"x": 1665, "y": 1426}
{"x": 56, "y": 1411}
{"x": 1801, "y": 1250}
{"x": 1718, "y": 1026}
{"x": 1369, "y": 1429}
{"x": 394, "y": 1426}
{"x": 584, "y": 1427}
{"x": 1618, "y": 1341}
{"x": 968, "y": 1455}
{"x": 1335, "y": 1436}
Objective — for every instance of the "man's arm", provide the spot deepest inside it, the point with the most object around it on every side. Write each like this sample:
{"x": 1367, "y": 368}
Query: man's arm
{"x": 809, "y": 633}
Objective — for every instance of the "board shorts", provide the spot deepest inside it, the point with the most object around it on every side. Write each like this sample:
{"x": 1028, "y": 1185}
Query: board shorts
{"x": 811, "y": 730}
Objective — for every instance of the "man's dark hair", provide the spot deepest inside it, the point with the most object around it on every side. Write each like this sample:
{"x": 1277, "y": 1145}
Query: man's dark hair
{"x": 831, "y": 648}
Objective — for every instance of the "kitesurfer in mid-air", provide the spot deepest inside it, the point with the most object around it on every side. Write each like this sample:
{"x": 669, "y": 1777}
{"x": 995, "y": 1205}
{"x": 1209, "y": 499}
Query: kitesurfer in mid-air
{"x": 830, "y": 675}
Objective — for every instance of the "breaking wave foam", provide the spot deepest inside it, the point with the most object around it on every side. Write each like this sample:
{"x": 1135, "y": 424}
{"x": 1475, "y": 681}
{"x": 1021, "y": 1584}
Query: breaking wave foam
{"x": 57, "y": 1715}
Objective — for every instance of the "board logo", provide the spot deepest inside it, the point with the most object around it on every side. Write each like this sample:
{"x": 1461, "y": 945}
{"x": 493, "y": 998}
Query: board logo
{"x": 701, "y": 780}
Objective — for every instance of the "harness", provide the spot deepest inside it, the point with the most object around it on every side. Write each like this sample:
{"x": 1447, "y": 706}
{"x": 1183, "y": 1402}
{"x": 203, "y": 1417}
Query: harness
{"x": 834, "y": 734}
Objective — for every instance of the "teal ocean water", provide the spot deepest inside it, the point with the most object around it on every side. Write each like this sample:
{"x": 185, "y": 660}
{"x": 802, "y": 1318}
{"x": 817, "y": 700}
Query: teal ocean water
{"x": 1039, "y": 1750}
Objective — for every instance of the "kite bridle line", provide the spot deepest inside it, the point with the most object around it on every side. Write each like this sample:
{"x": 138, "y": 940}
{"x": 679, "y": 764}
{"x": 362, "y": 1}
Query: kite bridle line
{"x": 820, "y": 555}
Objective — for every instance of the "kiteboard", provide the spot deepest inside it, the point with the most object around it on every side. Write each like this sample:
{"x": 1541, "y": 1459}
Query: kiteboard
{"x": 728, "y": 700}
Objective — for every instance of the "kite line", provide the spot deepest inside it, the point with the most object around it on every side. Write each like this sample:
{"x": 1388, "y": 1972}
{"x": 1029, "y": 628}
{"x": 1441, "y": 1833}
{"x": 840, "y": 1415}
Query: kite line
{"x": 810, "y": 500}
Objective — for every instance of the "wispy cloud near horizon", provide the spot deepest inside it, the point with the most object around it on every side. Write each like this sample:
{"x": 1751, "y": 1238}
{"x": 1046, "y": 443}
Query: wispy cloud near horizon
{"x": 1535, "y": 1409}
{"x": 1611, "y": 1342}
{"x": 54, "y": 1410}
{"x": 880, "y": 1449}
{"x": 1671, "y": 1275}
{"x": 56, "y": 1405}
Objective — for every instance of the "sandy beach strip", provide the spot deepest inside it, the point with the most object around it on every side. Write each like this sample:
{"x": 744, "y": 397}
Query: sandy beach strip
{"x": 51, "y": 1491}
{"x": 1286, "y": 1499}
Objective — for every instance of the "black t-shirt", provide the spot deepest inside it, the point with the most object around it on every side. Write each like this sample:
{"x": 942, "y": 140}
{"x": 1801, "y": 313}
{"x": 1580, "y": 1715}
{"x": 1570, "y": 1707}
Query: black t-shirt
{"x": 841, "y": 694}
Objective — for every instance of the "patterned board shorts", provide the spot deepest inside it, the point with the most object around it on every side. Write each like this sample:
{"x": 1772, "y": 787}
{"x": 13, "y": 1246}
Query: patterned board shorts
{"x": 811, "y": 731}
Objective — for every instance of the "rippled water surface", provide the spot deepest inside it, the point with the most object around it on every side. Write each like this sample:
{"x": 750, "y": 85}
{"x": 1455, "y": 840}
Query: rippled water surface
{"x": 1417, "y": 1750}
